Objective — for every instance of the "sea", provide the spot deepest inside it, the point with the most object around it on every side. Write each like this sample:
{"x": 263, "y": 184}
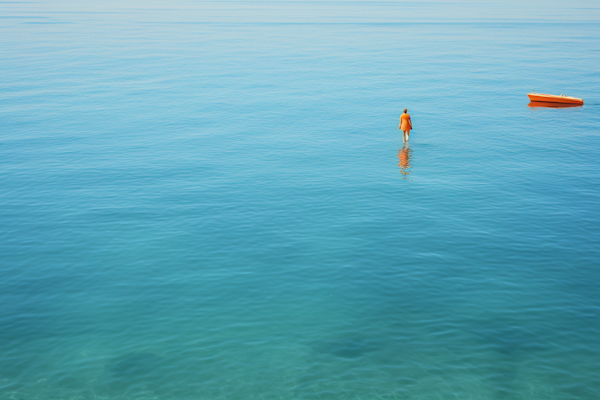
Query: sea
{"x": 206, "y": 200}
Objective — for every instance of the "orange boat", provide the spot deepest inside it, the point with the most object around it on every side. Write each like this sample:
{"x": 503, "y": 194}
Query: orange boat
{"x": 552, "y": 98}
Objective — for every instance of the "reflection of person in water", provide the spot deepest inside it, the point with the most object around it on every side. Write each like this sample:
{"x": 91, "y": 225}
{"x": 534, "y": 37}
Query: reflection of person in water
{"x": 405, "y": 126}
{"x": 405, "y": 157}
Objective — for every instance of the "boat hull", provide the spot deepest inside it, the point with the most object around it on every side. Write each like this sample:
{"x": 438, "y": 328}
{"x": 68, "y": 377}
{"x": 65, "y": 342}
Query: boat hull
{"x": 550, "y": 98}
{"x": 535, "y": 104}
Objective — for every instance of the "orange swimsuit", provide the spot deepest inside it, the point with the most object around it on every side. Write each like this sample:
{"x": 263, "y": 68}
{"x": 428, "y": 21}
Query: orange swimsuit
{"x": 405, "y": 124}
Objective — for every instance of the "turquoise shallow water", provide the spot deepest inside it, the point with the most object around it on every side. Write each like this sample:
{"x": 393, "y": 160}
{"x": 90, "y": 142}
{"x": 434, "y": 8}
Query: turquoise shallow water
{"x": 203, "y": 200}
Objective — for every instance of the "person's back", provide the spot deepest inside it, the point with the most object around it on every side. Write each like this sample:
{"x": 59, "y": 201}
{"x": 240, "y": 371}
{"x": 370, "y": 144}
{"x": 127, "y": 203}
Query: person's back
{"x": 405, "y": 125}
{"x": 405, "y": 122}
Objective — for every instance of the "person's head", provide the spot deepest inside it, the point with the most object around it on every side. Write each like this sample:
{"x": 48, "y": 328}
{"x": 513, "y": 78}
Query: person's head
{"x": 405, "y": 110}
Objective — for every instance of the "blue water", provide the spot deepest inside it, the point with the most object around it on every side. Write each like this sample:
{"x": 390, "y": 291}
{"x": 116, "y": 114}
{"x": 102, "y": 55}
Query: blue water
{"x": 206, "y": 200}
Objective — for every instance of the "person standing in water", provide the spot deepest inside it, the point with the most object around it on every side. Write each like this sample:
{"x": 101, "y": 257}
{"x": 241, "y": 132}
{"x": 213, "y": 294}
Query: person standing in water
{"x": 405, "y": 126}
